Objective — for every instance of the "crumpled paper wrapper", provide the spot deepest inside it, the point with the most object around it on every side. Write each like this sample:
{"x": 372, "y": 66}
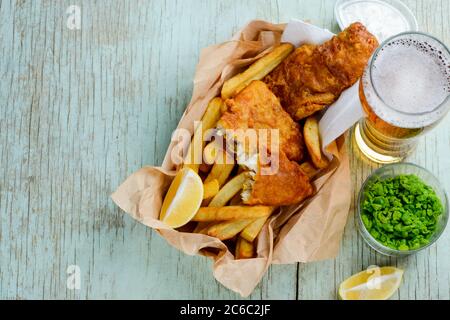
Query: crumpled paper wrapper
{"x": 306, "y": 232}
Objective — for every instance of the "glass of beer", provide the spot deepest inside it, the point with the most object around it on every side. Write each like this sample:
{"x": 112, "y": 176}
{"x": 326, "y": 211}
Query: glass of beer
{"x": 404, "y": 92}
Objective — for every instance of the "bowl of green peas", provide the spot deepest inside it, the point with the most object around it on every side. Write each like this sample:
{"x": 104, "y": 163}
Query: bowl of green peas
{"x": 402, "y": 208}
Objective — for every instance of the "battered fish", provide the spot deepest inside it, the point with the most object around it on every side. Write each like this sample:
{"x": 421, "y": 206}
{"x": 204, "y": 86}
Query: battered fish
{"x": 289, "y": 185}
{"x": 256, "y": 107}
{"x": 313, "y": 77}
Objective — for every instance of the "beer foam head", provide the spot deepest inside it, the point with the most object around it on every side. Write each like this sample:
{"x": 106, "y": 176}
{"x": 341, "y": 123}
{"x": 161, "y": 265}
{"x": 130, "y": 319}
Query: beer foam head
{"x": 411, "y": 74}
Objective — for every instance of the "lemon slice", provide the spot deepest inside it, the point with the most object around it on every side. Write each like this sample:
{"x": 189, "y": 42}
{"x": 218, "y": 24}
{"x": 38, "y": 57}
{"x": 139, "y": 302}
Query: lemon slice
{"x": 183, "y": 199}
{"x": 375, "y": 283}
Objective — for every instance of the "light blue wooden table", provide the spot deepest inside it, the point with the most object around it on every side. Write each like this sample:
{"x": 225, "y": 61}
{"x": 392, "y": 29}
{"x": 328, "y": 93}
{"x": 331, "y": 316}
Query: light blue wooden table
{"x": 80, "y": 110}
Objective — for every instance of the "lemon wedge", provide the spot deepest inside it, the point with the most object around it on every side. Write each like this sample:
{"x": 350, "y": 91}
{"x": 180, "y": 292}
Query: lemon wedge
{"x": 375, "y": 283}
{"x": 183, "y": 199}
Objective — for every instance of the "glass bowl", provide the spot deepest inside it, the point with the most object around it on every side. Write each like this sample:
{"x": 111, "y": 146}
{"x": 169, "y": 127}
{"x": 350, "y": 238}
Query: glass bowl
{"x": 392, "y": 170}
{"x": 394, "y": 5}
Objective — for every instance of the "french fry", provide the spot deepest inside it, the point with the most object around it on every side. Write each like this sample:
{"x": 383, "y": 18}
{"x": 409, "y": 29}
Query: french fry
{"x": 229, "y": 190}
{"x": 205, "y": 214}
{"x": 210, "y": 189}
{"x": 253, "y": 229}
{"x": 244, "y": 249}
{"x": 209, "y": 120}
{"x": 221, "y": 172}
{"x": 256, "y": 71}
{"x": 223, "y": 108}
{"x": 222, "y": 168}
{"x": 228, "y": 229}
{"x": 211, "y": 152}
{"x": 312, "y": 141}
{"x": 202, "y": 227}
{"x": 308, "y": 169}
{"x": 225, "y": 174}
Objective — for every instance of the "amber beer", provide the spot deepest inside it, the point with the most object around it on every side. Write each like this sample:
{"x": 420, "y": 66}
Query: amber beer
{"x": 404, "y": 91}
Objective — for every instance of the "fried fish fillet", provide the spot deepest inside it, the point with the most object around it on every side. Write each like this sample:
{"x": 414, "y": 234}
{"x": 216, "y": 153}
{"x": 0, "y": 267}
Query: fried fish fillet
{"x": 289, "y": 185}
{"x": 256, "y": 107}
{"x": 313, "y": 77}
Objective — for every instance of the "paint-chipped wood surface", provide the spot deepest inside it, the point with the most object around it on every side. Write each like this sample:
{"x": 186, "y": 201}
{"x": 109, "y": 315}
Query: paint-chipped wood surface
{"x": 83, "y": 109}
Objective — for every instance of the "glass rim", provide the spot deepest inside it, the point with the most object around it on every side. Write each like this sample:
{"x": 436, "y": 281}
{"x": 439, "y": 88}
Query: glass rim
{"x": 377, "y": 51}
{"x": 388, "y": 250}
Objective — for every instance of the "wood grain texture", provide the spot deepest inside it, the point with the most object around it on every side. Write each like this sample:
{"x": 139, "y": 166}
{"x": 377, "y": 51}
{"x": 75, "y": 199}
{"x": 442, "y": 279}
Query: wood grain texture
{"x": 82, "y": 109}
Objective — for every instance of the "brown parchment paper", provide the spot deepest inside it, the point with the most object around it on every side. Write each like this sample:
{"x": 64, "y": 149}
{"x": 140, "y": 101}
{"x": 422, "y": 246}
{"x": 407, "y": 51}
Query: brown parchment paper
{"x": 307, "y": 232}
